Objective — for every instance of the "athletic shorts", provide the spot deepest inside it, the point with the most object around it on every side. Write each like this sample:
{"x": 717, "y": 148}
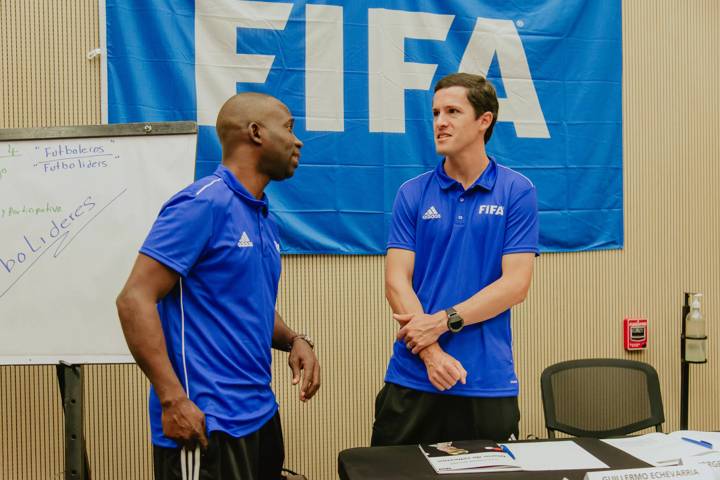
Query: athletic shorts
{"x": 404, "y": 416}
{"x": 258, "y": 456}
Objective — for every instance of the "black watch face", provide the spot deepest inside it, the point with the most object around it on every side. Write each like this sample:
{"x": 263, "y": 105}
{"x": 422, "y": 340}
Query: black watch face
{"x": 455, "y": 324}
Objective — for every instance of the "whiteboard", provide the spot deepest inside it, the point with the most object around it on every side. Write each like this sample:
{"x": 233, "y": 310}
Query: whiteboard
{"x": 73, "y": 213}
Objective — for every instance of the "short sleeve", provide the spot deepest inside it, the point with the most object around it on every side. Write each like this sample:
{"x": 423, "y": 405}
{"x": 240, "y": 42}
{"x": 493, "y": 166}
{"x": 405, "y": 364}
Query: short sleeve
{"x": 181, "y": 232}
{"x": 402, "y": 228}
{"x": 522, "y": 230}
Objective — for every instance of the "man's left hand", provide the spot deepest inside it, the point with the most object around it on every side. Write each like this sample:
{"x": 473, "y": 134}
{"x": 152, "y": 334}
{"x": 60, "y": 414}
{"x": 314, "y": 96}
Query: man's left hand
{"x": 305, "y": 368}
{"x": 420, "y": 329}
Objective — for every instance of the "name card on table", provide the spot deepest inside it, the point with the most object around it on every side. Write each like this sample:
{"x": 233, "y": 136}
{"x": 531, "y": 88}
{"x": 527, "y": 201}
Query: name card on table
{"x": 687, "y": 472}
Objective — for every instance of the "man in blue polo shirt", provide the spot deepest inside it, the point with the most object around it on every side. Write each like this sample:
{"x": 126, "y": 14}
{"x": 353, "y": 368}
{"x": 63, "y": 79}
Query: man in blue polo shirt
{"x": 198, "y": 310}
{"x": 460, "y": 254}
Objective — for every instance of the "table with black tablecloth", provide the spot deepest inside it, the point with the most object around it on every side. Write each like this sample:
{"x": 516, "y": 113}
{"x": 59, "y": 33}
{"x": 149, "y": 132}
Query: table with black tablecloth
{"x": 407, "y": 462}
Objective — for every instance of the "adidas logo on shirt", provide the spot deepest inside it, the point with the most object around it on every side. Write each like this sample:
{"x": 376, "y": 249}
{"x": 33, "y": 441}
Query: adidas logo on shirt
{"x": 244, "y": 241}
{"x": 431, "y": 214}
{"x": 277, "y": 246}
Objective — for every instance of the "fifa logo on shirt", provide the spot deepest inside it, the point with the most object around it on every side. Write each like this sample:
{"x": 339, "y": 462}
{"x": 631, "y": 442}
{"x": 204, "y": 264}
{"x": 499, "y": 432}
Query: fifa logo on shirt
{"x": 491, "y": 210}
{"x": 244, "y": 241}
{"x": 431, "y": 214}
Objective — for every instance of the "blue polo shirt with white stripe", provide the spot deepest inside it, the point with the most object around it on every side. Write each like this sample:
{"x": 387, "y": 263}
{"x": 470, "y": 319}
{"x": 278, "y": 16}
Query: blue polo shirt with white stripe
{"x": 221, "y": 242}
{"x": 459, "y": 238}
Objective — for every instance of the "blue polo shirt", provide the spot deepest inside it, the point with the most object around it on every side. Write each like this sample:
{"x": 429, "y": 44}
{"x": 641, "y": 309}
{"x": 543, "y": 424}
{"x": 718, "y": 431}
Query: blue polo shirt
{"x": 459, "y": 238}
{"x": 221, "y": 242}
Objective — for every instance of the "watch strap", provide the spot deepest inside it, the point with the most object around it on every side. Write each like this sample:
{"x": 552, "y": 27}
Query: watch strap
{"x": 455, "y": 322}
{"x": 301, "y": 336}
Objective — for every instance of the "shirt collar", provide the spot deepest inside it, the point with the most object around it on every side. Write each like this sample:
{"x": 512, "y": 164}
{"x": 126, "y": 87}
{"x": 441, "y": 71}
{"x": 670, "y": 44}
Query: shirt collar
{"x": 486, "y": 180}
{"x": 234, "y": 184}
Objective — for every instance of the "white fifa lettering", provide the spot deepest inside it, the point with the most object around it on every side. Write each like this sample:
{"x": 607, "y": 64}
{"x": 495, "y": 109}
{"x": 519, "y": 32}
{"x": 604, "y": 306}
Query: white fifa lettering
{"x": 218, "y": 66}
{"x": 389, "y": 74}
{"x": 521, "y": 107}
{"x": 324, "y": 107}
{"x": 491, "y": 210}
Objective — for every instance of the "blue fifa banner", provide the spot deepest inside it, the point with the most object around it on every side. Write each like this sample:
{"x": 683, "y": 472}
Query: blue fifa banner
{"x": 358, "y": 77}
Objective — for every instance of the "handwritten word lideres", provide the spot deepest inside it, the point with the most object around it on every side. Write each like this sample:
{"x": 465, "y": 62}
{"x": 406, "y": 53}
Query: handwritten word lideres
{"x": 34, "y": 244}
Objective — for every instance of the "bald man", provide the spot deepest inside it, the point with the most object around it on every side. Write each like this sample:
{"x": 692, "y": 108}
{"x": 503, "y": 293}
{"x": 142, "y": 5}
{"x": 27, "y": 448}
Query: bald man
{"x": 198, "y": 310}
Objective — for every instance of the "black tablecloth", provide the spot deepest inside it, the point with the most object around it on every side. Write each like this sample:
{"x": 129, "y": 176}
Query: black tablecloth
{"x": 407, "y": 462}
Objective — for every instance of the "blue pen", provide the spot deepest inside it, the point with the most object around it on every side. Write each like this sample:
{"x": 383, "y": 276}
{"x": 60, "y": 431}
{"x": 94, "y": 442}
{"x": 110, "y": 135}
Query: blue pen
{"x": 702, "y": 443}
{"x": 507, "y": 450}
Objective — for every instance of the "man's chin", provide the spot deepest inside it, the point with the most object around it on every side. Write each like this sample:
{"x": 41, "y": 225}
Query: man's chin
{"x": 291, "y": 169}
{"x": 442, "y": 150}
{"x": 288, "y": 174}
{"x": 284, "y": 175}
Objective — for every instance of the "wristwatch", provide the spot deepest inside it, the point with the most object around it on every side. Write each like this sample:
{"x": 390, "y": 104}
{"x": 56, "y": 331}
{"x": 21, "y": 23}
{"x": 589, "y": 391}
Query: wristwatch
{"x": 455, "y": 322}
{"x": 301, "y": 336}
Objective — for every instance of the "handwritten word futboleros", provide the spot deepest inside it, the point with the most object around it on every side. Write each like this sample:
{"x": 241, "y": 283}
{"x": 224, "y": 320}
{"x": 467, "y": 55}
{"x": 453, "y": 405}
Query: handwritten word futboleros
{"x": 33, "y": 244}
{"x": 65, "y": 150}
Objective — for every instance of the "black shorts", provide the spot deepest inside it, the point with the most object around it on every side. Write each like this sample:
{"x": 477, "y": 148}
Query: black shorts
{"x": 404, "y": 416}
{"x": 258, "y": 456}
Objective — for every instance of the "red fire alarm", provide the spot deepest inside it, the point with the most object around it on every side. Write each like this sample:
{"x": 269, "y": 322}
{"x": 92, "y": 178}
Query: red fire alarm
{"x": 635, "y": 333}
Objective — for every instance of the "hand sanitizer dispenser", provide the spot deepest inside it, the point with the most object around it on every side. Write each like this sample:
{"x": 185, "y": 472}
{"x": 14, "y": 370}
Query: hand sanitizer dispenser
{"x": 695, "y": 337}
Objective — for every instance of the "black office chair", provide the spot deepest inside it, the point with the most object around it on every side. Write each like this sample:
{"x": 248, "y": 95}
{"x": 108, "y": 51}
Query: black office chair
{"x": 601, "y": 397}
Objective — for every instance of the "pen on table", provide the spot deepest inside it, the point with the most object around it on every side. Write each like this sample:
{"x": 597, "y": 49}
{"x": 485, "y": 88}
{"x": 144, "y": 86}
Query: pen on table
{"x": 507, "y": 450}
{"x": 702, "y": 443}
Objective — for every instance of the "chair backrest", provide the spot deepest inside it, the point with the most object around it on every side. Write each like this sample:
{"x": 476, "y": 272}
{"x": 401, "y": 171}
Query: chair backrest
{"x": 601, "y": 397}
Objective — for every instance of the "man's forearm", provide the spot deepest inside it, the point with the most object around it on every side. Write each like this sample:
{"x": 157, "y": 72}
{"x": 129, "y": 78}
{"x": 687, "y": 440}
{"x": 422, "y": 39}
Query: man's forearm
{"x": 490, "y": 301}
{"x": 146, "y": 341}
{"x": 484, "y": 305}
{"x": 282, "y": 334}
{"x": 424, "y": 329}
{"x": 403, "y": 299}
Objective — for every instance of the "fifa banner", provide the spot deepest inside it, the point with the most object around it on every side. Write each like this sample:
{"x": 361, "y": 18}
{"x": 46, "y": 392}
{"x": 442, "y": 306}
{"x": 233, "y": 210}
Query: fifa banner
{"x": 358, "y": 77}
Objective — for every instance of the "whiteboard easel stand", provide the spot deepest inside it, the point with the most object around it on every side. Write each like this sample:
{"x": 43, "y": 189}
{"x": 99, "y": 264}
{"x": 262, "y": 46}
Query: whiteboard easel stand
{"x": 70, "y": 380}
{"x": 70, "y": 376}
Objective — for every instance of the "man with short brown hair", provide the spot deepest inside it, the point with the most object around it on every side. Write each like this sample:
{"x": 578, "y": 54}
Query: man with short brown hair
{"x": 460, "y": 254}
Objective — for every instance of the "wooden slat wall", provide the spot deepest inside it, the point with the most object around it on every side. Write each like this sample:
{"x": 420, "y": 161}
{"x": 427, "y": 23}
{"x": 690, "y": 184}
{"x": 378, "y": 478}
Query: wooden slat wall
{"x": 671, "y": 113}
{"x": 31, "y": 424}
{"x": 46, "y": 79}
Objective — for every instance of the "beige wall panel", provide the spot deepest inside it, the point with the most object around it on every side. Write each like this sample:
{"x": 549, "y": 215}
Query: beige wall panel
{"x": 45, "y": 77}
{"x": 116, "y": 422}
{"x": 31, "y": 423}
{"x": 339, "y": 301}
{"x": 671, "y": 109}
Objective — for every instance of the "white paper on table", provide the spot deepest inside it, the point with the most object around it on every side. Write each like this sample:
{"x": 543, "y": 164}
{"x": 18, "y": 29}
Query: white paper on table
{"x": 563, "y": 455}
{"x": 659, "y": 449}
{"x": 696, "y": 472}
{"x": 710, "y": 459}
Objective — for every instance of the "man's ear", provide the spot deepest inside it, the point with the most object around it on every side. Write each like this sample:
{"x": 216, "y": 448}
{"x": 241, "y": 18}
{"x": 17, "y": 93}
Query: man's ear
{"x": 487, "y": 119}
{"x": 254, "y": 133}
